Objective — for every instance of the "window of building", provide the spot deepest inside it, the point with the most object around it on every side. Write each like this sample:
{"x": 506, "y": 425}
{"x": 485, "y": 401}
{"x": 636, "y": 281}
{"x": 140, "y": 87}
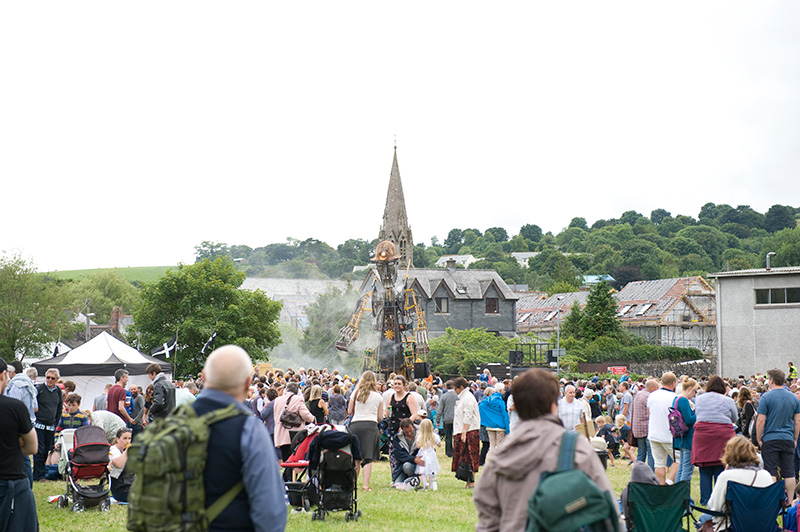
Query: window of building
{"x": 777, "y": 296}
{"x": 492, "y": 305}
{"x": 442, "y": 305}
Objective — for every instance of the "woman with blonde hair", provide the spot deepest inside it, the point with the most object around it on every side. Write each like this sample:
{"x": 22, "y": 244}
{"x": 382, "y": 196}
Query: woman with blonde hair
{"x": 427, "y": 442}
{"x": 683, "y": 444}
{"x": 366, "y": 407}
{"x": 316, "y": 405}
{"x": 741, "y": 465}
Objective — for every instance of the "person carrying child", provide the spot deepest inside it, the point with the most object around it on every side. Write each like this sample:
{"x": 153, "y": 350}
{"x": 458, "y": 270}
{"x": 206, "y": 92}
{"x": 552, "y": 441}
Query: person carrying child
{"x": 606, "y": 429}
{"x": 427, "y": 441}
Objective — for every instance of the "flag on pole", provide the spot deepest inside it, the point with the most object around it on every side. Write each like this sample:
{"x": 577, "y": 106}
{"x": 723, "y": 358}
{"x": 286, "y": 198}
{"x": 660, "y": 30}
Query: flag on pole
{"x": 210, "y": 343}
{"x": 166, "y": 349}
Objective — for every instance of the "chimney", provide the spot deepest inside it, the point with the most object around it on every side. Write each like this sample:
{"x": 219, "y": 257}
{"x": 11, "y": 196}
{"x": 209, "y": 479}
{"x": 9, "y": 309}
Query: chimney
{"x": 769, "y": 256}
{"x": 451, "y": 264}
{"x": 116, "y": 315}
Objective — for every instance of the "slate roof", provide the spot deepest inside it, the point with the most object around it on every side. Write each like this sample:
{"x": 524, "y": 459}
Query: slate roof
{"x": 638, "y": 301}
{"x": 461, "y": 284}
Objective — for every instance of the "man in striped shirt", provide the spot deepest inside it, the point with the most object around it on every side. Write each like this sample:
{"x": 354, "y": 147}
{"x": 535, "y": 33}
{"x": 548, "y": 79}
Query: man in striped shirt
{"x": 639, "y": 422}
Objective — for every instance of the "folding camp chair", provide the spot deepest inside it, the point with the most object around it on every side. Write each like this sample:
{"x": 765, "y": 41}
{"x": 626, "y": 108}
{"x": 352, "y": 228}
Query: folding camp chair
{"x": 751, "y": 509}
{"x": 654, "y": 508}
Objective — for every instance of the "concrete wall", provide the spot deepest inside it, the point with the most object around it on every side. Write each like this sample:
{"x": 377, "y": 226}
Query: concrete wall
{"x": 752, "y": 337}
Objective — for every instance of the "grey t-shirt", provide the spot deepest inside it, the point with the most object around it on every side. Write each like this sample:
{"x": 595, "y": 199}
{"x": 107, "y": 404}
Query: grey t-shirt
{"x": 100, "y": 402}
{"x": 138, "y": 405}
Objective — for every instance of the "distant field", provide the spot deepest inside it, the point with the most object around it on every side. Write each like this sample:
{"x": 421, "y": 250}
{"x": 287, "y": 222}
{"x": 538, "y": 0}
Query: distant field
{"x": 141, "y": 274}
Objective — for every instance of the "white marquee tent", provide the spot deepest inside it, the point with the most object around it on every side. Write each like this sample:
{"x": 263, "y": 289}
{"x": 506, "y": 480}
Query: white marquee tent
{"x": 92, "y": 365}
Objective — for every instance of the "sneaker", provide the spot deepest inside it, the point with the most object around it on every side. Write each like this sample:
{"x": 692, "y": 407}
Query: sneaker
{"x": 413, "y": 482}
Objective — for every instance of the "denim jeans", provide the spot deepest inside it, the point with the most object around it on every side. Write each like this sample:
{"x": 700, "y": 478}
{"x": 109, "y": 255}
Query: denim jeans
{"x": 644, "y": 453}
{"x": 708, "y": 476}
{"x": 685, "y": 468}
{"x": 408, "y": 469}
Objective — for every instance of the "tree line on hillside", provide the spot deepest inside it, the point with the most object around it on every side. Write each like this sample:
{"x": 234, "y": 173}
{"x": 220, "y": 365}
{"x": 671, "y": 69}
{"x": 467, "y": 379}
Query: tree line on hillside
{"x": 195, "y": 301}
{"x": 629, "y": 248}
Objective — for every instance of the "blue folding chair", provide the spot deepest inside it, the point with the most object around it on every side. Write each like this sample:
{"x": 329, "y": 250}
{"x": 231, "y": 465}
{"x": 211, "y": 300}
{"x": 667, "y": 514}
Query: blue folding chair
{"x": 751, "y": 509}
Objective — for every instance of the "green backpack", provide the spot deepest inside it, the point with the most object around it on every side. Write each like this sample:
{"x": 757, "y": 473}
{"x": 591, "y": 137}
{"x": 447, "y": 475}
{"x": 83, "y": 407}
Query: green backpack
{"x": 168, "y": 460}
{"x": 567, "y": 500}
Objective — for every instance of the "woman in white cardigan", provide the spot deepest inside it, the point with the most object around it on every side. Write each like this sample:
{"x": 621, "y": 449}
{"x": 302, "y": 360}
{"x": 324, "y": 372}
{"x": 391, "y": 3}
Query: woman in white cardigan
{"x": 466, "y": 428}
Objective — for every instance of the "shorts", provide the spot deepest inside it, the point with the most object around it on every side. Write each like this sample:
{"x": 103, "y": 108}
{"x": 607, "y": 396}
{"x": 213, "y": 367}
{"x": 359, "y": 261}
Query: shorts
{"x": 661, "y": 450}
{"x": 778, "y": 454}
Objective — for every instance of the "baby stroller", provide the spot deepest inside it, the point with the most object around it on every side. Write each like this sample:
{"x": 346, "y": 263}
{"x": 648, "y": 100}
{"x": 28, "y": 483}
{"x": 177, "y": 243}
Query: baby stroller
{"x": 332, "y": 467}
{"x": 298, "y": 490}
{"x": 88, "y": 460}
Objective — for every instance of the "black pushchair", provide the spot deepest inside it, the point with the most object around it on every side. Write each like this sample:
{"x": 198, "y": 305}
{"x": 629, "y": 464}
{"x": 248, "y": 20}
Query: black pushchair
{"x": 87, "y": 460}
{"x": 332, "y": 468}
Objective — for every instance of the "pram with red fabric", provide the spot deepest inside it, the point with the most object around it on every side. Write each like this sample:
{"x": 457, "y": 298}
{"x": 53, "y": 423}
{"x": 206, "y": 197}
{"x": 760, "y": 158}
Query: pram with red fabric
{"x": 88, "y": 460}
{"x": 297, "y": 491}
{"x": 329, "y": 457}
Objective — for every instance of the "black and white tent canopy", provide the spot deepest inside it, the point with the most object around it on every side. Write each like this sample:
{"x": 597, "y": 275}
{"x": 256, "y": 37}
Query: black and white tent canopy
{"x": 93, "y": 364}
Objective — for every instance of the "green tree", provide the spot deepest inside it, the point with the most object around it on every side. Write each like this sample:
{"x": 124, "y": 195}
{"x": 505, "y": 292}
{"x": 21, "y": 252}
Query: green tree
{"x": 786, "y": 245}
{"x": 530, "y": 232}
{"x": 454, "y": 240}
{"x": 210, "y": 250}
{"x": 197, "y": 299}
{"x": 600, "y": 314}
{"x": 500, "y": 234}
{"x": 329, "y": 313}
{"x": 459, "y": 352}
{"x": 104, "y": 290}
{"x": 356, "y": 249}
{"x": 561, "y": 287}
{"x": 518, "y": 243}
{"x": 571, "y": 324}
{"x": 711, "y": 239}
{"x": 659, "y": 215}
{"x": 579, "y": 222}
{"x": 31, "y": 309}
{"x": 779, "y": 217}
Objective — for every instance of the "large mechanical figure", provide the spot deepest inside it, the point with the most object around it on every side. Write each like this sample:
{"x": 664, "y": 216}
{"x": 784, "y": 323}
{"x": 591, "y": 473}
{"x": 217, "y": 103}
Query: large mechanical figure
{"x": 400, "y": 323}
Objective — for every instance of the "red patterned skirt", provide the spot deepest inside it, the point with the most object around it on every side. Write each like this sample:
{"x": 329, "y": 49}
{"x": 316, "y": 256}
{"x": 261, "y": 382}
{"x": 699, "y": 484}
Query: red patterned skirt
{"x": 472, "y": 448}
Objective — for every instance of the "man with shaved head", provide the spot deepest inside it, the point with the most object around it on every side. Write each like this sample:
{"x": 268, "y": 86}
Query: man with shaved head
{"x": 239, "y": 449}
{"x": 569, "y": 409}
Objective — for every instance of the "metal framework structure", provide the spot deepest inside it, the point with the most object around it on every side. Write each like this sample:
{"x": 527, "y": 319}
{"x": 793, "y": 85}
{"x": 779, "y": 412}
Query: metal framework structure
{"x": 398, "y": 319}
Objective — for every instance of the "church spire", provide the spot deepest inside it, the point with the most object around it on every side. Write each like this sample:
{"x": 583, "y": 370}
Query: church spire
{"x": 395, "y": 220}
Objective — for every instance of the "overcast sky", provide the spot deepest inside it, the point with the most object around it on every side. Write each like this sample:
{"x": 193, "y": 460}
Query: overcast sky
{"x": 131, "y": 132}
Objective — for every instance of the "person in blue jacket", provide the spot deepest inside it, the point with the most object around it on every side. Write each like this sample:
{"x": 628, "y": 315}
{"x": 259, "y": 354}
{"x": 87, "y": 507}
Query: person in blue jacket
{"x": 684, "y": 443}
{"x": 494, "y": 417}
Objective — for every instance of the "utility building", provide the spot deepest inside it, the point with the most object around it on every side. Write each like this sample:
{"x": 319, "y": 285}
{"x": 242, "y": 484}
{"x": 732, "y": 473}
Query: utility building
{"x": 758, "y": 320}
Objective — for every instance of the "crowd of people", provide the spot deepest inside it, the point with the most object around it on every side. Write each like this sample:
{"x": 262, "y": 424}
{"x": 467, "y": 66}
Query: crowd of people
{"x": 508, "y": 430}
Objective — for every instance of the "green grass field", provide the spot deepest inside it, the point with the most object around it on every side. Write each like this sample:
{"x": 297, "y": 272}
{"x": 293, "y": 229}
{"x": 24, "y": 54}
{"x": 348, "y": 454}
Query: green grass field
{"x": 141, "y": 274}
{"x": 384, "y": 509}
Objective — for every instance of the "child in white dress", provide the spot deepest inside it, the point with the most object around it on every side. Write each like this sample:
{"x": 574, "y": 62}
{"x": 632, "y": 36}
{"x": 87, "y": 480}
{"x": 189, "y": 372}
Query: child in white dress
{"x": 427, "y": 441}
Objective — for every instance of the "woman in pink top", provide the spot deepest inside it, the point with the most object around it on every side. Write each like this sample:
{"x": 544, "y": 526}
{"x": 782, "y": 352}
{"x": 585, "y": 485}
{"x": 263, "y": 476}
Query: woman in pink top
{"x": 292, "y": 401}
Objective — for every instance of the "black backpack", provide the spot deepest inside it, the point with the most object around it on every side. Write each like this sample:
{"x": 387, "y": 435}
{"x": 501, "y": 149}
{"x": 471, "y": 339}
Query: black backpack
{"x": 567, "y": 500}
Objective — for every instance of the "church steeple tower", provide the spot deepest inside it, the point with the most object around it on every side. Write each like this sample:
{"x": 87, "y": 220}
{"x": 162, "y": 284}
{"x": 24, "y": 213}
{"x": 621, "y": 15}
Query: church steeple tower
{"x": 395, "y": 220}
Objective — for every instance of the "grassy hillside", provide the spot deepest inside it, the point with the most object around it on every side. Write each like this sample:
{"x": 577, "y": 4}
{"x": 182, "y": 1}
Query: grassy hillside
{"x": 141, "y": 274}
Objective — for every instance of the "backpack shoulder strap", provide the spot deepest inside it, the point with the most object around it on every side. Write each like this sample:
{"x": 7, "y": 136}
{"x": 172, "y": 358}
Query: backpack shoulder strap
{"x": 220, "y": 504}
{"x": 222, "y": 414}
{"x": 566, "y": 451}
{"x": 675, "y": 403}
